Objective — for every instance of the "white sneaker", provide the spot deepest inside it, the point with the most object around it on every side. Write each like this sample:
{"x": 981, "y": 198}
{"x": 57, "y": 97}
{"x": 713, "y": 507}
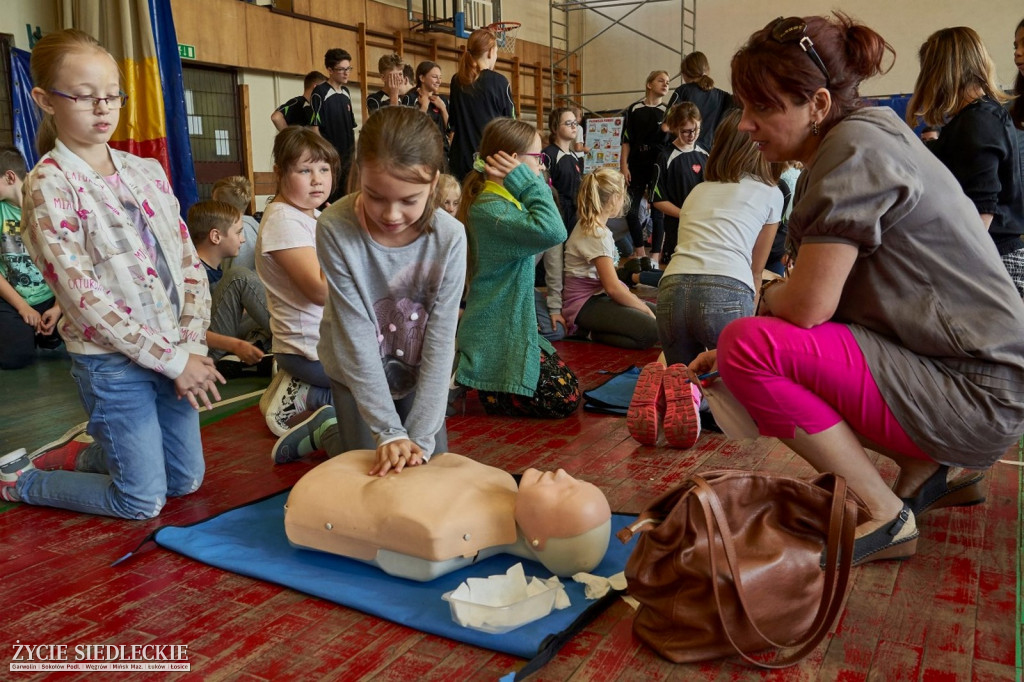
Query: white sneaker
{"x": 284, "y": 398}
{"x": 272, "y": 387}
{"x": 13, "y": 464}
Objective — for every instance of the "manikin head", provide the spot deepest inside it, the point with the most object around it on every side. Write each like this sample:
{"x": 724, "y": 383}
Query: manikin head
{"x": 564, "y": 521}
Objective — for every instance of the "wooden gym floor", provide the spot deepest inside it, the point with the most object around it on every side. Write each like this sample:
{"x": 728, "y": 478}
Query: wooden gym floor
{"x": 953, "y": 612}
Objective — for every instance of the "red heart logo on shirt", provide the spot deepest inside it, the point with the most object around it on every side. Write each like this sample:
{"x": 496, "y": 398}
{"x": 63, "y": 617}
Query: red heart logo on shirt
{"x": 696, "y": 168}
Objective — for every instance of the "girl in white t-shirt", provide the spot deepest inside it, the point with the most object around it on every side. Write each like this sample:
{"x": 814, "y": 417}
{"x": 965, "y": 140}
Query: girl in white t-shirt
{"x": 305, "y": 166}
{"x": 726, "y": 228}
{"x": 594, "y": 300}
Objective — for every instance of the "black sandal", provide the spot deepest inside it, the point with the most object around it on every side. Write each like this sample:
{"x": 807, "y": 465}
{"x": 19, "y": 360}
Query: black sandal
{"x": 886, "y": 542}
{"x": 937, "y": 492}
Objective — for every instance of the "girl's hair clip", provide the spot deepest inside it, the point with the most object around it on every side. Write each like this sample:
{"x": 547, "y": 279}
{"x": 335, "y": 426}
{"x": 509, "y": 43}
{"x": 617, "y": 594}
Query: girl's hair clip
{"x": 479, "y": 165}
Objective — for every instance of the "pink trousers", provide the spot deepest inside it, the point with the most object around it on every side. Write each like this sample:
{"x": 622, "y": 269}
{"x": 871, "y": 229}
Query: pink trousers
{"x": 788, "y": 378}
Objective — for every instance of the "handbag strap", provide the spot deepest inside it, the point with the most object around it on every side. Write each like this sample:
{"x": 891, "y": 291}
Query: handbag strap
{"x": 838, "y": 553}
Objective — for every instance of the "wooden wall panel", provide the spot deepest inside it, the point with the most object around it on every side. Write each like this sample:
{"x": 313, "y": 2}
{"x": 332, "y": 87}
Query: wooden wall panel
{"x": 350, "y": 12}
{"x": 217, "y": 41}
{"x": 236, "y": 34}
{"x": 263, "y": 183}
{"x": 322, "y": 38}
{"x": 277, "y": 42}
{"x": 384, "y": 18}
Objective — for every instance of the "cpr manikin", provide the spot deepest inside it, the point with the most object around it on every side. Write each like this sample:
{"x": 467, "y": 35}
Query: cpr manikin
{"x": 436, "y": 518}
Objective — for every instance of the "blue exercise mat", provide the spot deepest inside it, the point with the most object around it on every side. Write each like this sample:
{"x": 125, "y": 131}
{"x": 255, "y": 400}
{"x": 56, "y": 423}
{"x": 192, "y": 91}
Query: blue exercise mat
{"x": 614, "y": 395}
{"x": 251, "y": 541}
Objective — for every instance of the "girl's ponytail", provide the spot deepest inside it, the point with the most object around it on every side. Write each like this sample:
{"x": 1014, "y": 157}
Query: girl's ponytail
{"x": 694, "y": 69}
{"x": 472, "y": 186}
{"x": 597, "y": 191}
{"x": 479, "y": 44}
{"x": 588, "y": 206}
{"x": 46, "y": 136}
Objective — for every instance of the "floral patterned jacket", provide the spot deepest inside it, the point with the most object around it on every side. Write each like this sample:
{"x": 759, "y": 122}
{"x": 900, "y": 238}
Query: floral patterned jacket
{"x": 91, "y": 254}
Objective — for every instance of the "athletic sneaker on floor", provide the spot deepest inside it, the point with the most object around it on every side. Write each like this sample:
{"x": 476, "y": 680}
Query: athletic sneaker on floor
{"x": 305, "y": 438}
{"x": 682, "y": 406}
{"x": 12, "y": 466}
{"x": 62, "y": 453}
{"x": 647, "y": 406}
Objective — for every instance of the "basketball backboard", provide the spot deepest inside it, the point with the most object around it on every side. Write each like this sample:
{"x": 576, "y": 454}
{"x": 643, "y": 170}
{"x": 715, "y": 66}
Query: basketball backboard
{"x": 457, "y": 17}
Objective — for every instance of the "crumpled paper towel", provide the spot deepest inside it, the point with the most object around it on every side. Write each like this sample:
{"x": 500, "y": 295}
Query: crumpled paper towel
{"x": 502, "y": 602}
{"x": 596, "y": 586}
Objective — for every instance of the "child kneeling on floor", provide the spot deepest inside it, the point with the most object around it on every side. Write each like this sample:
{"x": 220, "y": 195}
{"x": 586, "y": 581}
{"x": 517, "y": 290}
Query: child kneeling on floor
{"x": 726, "y": 228}
{"x": 305, "y": 167}
{"x": 593, "y": 299}
{"x": 510, "y": 217}
{"x": 395, "y": 265}
{"x": 104, "y": 228}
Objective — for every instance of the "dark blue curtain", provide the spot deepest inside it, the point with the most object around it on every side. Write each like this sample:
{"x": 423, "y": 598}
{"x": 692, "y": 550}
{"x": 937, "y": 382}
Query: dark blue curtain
{"x": 179, "y": 148}
{"x": 26, "y": 114}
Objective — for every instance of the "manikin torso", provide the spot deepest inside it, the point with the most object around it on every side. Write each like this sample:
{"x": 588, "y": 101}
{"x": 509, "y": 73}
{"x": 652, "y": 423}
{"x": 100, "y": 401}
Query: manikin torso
{"x": 449, "y": 513}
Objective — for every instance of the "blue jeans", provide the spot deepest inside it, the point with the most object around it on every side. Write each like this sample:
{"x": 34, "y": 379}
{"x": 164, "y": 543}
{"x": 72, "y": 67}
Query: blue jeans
{"x": 544, "y": 319}
{"x": 694, "y": 309}
{"x": 147, "y": 444}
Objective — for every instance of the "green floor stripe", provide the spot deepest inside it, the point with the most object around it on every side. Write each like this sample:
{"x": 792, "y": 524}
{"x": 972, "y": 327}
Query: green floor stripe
{"x": 226, "y": 408}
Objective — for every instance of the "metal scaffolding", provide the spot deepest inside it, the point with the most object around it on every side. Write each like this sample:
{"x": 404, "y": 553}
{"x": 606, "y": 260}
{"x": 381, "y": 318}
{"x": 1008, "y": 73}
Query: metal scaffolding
{"x": 562, "y": 51}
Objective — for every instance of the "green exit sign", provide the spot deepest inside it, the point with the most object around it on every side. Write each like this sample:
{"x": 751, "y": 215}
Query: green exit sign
{"x": 186, "y": 51}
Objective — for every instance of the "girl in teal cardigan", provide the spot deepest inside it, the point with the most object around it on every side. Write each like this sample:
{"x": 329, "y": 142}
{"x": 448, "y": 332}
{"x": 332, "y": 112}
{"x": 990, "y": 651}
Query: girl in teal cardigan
{"x": 510, "y": 217}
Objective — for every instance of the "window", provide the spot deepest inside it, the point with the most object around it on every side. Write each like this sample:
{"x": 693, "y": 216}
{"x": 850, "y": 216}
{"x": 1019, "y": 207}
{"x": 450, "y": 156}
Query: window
{"x": 211, "y": 103}
{"x": 6, "y": 108}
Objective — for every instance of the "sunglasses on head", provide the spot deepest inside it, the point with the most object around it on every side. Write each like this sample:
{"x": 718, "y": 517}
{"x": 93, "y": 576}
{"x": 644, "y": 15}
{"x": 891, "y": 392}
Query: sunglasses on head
{"x": 794, "y": 30}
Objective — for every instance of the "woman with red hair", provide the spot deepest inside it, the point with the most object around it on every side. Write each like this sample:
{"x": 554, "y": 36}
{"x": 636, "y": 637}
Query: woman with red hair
{"x": 479, "y": 95}
{"x": 880, "y": 339}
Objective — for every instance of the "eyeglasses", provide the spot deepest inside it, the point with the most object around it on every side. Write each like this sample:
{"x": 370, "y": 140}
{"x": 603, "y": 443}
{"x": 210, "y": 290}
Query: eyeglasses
{"x": 571, "y": 124}
{"x": 793, "y": 30}
{"x": 689, "y": 131}
{"x": 342, "y": 69}
{"x": 88, "y": 102}
{"x": 541, "y": 157}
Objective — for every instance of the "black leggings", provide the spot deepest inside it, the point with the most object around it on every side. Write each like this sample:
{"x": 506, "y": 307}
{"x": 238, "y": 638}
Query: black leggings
{"x": 20, "y": 340}
{"x": 616, "y": 325}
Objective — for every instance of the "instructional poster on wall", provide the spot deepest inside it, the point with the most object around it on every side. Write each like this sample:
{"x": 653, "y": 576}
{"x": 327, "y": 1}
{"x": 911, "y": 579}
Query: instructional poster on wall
{"x": 604, "y": 137}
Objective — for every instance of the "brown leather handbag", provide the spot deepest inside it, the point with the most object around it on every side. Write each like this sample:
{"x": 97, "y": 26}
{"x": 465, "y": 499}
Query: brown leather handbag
{"x": 731, "y": 562}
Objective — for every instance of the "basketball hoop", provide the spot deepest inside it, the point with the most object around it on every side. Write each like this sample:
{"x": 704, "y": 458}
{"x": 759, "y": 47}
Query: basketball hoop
{"x": 506, "y": 31}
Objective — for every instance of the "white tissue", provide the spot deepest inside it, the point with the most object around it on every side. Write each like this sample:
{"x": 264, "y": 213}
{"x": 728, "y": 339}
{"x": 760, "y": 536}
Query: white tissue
{"x": 596, "y": 586}
{"x": 501, "y": 603}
